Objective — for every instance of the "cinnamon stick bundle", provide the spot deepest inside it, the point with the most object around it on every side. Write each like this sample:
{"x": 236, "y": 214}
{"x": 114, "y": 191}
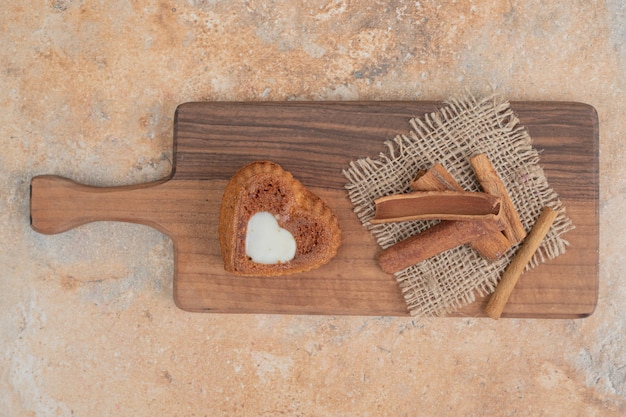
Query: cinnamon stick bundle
{"x": 492, "y": 224}
{"x": 437, "y": 178}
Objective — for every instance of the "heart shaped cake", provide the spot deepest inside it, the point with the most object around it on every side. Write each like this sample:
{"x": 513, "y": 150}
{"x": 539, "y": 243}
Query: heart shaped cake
{"x": 270, "y": 224}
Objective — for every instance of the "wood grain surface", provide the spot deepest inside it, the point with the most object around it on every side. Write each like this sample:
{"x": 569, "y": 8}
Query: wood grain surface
{"x": 316, "y": 141}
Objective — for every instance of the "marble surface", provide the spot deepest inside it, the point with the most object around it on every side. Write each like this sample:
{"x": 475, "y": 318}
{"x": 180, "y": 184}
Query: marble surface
{"x": 88, "y": 325}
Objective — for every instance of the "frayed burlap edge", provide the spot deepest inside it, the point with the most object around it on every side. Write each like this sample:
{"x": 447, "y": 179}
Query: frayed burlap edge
{"x": 459, "y": 129}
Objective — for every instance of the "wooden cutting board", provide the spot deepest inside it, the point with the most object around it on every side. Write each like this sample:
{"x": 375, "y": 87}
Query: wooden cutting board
{"x": 316, "y": 141}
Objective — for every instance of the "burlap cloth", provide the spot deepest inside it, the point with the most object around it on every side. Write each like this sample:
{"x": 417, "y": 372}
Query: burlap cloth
{"x": 459, "y": 129}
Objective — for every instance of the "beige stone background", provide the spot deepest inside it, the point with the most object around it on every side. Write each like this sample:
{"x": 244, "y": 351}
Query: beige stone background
{"x": 88, "y": 325}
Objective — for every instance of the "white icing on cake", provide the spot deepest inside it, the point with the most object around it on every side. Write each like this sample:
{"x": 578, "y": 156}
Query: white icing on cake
{"x": 267, "y": 242}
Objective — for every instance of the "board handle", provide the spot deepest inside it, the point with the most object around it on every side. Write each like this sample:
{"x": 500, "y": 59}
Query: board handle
{"x": 59, "y": 204}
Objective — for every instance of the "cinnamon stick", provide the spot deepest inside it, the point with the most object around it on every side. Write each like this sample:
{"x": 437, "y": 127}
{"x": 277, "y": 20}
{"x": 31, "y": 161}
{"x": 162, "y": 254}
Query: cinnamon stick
{"x": 492, "y": 184}
{"x": 436, "y": 205}
{"x": 437, "y": 178}
{"x": 511, "y": 274}
{"x": 433, "y": 241}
